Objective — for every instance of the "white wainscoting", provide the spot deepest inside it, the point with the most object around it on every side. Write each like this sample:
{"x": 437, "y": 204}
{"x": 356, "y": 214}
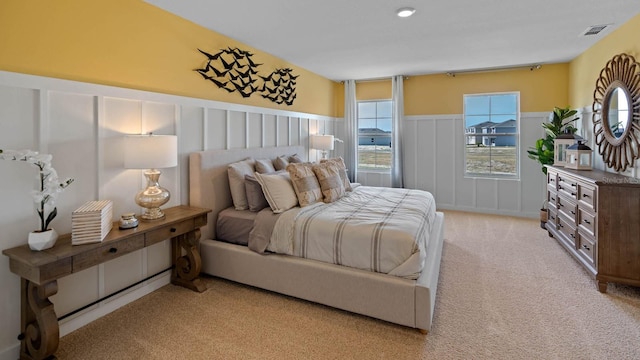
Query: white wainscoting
{"x": 434, "y": 161}
{"x": 82, "y": 125}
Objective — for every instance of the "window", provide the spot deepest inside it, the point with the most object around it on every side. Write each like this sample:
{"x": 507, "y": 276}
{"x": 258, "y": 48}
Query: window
{"x": 374, "y": 135}
{"x": 491, "y": 134}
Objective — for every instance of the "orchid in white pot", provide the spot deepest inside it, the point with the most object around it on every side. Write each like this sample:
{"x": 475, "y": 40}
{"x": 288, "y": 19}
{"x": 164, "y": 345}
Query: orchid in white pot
{"x": 44, "y": 197}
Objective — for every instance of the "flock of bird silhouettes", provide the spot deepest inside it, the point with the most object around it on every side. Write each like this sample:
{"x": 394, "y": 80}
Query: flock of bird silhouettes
{"x": 233, "y": 70}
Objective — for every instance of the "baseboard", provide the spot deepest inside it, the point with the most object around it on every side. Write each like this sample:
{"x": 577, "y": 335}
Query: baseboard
{"x": 101, "y": 309}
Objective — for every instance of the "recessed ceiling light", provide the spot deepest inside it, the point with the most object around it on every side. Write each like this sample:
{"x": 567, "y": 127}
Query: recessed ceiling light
{"x": 405, "y": 12}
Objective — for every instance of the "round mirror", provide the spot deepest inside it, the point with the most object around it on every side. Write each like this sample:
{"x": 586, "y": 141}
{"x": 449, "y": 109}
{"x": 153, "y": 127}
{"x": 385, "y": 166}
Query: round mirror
{"x": 616, "y": 111}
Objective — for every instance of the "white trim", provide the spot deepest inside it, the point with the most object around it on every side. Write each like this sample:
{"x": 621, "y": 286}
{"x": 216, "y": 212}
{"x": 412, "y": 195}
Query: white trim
{"x": 40, "y": 82}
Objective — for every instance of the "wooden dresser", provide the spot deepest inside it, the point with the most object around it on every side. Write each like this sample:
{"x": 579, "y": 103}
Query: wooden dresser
{"x": 595, "y": 215}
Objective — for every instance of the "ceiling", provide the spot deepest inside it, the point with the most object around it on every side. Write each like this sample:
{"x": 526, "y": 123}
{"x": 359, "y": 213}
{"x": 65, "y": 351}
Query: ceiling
{"x": 364, "y": 39}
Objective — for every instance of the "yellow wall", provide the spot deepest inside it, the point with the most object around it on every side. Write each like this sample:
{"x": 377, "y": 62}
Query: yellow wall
{"x": 540, "y": 90}
{"x": 129, "y": 43}
{"x": 585, "y": 69}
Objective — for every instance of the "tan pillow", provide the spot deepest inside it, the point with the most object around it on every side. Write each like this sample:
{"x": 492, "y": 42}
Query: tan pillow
{"x": 330, "y": 182}
{"x": 236, "y": 173}
{"x": 342, "y": 168}
{"x": 264, "y": 166}
{"x": 281, "y": 162}
{"x": 305, "y": 183}
{"x": 278, "y": 190}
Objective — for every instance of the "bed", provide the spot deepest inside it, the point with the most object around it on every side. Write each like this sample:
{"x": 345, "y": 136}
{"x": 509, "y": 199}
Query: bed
{"x": 400, "y": 300}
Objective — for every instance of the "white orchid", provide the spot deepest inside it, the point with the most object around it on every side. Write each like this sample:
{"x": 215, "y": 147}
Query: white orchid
{"x": 50, "y": 186}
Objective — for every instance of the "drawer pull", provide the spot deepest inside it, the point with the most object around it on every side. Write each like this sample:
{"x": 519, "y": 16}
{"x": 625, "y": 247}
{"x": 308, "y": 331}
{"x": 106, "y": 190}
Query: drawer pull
{"x": 573, "y": 235}
{"x": 587, "y": 221}
{"x": 586, "y": 247}
{"x": 573, "y": 212}
{"x": 553, "y": 199}
{"x": 561, "y": 225}
{"x": 173, "y": 230}
{"x": 113, "y": 250}
{"x": 561, "y": 205}
{"x": 574, "y": 185}
{"x": 573, "y": 194}
{"x": 585, "y": 195}
{"x": 553, "y": 217}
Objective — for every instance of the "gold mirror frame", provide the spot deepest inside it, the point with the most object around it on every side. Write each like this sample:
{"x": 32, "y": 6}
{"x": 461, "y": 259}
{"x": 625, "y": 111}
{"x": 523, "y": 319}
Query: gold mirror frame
{"x": 621, "y": 72}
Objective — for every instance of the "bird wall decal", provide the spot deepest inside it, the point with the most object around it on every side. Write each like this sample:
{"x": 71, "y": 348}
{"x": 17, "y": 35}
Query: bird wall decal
{"x": 231, "y": 69}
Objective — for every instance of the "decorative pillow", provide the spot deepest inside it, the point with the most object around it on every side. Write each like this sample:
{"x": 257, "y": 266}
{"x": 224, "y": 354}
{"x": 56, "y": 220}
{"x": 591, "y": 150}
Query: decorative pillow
{"x": 330, "y": 182}
{"x": 281, "y": 162}
{"x": 278, "y": 190}
{"x": 305, "y": 183}
{"x": 295, "y": 158}
{"x": 255, "y": 196}
{"x": 339, "y": 162}
{"x": 236, "y": 173}
{"x": 264, "y": 166}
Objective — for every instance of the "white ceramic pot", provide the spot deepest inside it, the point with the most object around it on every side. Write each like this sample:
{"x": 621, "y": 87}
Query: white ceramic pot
{"x": 42, "y": 240}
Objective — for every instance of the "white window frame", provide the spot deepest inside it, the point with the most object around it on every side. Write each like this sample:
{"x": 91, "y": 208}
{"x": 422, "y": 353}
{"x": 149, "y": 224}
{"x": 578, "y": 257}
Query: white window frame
{"x": 518, "y": 146}
{"x": 364, "y": 170}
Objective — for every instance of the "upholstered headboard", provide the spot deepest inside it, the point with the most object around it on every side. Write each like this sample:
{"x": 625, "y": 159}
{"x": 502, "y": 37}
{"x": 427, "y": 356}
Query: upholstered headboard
{"x": 209, "y": 182}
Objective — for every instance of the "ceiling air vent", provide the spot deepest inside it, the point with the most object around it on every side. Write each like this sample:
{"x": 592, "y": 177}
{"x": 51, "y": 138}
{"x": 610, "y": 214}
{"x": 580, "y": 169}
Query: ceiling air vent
{"x": 594, "y": 30}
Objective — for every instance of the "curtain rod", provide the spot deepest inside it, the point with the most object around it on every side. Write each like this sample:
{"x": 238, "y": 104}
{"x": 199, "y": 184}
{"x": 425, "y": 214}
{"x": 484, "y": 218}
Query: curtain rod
{"x": 405, "y": 77}
{"x": 474, "y": 71}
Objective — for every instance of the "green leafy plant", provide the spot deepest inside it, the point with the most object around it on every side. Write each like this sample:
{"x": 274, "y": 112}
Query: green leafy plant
{"x": 560, "y": 121}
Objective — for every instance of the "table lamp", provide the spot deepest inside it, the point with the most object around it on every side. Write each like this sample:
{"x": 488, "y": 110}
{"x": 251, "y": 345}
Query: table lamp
{"x": 323, "y": 143}
{"x": 151, "y": 152}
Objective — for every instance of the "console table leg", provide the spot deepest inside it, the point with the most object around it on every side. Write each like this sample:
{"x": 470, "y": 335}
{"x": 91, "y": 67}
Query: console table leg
{"x": 40, "y": 332}
{"x": 187, "y": 267}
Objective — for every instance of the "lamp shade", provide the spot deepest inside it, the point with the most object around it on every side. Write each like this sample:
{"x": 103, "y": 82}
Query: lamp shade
{"x": 322, "y": 142}
{"x": 150, "y": 151}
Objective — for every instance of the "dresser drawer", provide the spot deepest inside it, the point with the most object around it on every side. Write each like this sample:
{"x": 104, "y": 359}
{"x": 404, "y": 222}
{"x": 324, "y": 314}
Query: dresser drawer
{"x": 108, "y": 251}
{"x": 552, "y": 198}
{"x": 552, "y": 215}
{"x": 587, "y": 196}
{"x": 169, "y": 232}
{"x": 587, "y": 248}
{"x": 568, "y": 207}
{"x": 586, "y": 221}
{"x": 568, "y": 229}
{"x": 552, "y": 180}
{"x": 568, "y": 188}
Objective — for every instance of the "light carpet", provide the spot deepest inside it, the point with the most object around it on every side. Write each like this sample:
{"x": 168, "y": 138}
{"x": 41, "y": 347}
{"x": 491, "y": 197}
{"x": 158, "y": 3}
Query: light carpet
{"x": 506, "y": 291}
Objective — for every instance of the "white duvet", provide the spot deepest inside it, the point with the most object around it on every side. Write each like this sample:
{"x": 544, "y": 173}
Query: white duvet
{"x": 384, "y": 230}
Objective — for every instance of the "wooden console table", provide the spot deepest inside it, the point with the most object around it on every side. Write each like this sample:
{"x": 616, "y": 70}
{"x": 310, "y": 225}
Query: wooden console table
{"x": 39, "y": 270}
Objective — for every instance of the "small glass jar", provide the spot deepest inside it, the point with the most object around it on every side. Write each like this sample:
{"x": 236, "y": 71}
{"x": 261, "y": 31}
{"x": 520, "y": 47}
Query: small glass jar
{"x": 128, "y": 221}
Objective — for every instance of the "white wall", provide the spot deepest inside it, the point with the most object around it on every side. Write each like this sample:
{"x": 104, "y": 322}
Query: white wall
{"x": 434, "y": 161}
{"x": 82, "y": 126}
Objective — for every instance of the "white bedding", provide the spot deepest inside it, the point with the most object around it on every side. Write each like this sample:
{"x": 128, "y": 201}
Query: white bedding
{"x": 383, "y": 230}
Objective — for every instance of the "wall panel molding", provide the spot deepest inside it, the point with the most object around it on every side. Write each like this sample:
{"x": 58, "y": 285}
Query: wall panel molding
{"x": 82, "y": 125}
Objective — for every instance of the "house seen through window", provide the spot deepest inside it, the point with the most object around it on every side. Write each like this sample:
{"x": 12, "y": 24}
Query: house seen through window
{"x": 374, "y": 135}
{"x": 492, "y": 134}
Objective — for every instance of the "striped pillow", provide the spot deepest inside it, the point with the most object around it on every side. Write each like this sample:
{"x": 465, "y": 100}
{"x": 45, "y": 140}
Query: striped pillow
{"x": 330, "y": 183}
{"x": 305, "y": 183}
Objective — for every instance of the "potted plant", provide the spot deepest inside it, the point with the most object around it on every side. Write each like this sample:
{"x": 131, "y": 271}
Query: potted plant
{"x": 44, "y": 197}
{"x": 560, "y": 121}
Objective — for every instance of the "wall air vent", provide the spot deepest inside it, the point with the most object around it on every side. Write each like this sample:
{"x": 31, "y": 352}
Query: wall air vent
{"x": 594, "y": 30}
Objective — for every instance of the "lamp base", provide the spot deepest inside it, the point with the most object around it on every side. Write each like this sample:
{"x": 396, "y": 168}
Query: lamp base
{"x": 152, "y": 197}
